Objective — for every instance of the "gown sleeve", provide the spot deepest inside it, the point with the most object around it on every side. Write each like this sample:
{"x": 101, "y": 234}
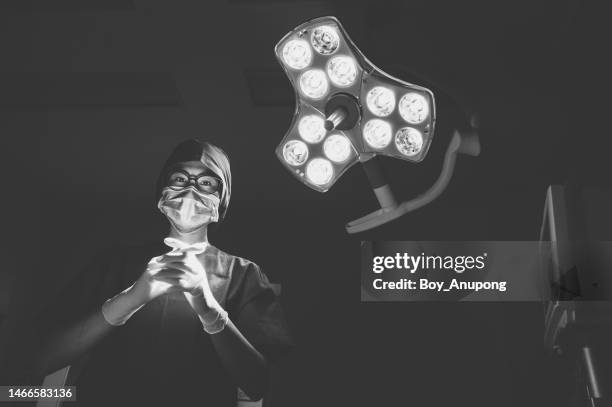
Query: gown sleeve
{"x": 256, "y": 310}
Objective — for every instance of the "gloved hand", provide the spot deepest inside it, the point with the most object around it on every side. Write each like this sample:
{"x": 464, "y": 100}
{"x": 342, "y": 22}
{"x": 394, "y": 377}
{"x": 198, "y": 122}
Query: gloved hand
{"x": 154, "y": 281}
{"x": 184, "y": 270}
{"x": 178, "y": 270}
{"x": 150, "y": 285}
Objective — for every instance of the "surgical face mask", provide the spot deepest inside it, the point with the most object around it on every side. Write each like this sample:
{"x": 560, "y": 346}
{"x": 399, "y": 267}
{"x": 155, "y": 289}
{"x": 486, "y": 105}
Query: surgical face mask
{"x": 188, "y": 209}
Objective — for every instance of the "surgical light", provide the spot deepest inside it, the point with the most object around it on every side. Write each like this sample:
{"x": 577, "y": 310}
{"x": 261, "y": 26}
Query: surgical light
{"x": 337, "y": 148}
{"x": 342, "y": 71}
{"x": 413, "y": 108}
{"x": 380, "y": 101}
{"x": 377, "y": 133}
{"x": 312, "y": 128}
{"x": 325, "y": 39}
{"x": 319, "y": 171}
{"x": 349, "y": 111}
{"x": 295, "y": 152}
{"x": 408, "y": 141}
{"x": 313, "y": 83}
{"x": 297, "y": 54}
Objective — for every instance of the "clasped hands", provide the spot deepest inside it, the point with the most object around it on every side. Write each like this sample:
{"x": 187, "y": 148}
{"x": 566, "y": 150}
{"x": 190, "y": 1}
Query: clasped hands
{"x": 177, "y": 271}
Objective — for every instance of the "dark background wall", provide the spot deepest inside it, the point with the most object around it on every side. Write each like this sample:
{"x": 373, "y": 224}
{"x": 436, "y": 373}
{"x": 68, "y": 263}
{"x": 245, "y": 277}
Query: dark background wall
{"x": 93, "y": 95}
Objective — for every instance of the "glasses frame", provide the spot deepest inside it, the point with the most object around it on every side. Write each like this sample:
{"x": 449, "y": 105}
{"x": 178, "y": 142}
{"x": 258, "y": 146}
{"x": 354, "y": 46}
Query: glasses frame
{"x": 195, "y": 179}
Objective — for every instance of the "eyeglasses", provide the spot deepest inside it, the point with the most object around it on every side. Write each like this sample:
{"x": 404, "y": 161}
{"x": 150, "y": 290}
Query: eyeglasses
{"x": 206, "y": 183}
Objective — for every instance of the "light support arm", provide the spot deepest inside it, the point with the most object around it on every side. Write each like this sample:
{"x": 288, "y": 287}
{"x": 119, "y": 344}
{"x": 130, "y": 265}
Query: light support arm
{"x": 467, "y": 143}
{"x": 379, "y": 185}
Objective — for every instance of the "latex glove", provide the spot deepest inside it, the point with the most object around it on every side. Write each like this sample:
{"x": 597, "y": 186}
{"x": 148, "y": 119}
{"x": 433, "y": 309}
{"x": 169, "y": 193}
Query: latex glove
{"x": 150, "y": 285}
{"x": 184, "y": 270}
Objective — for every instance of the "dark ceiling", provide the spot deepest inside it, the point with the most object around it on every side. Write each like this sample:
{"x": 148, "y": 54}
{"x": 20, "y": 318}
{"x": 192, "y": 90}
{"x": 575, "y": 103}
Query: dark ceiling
{"x": 524, "y": 65}
{"x": 97, "y": 92}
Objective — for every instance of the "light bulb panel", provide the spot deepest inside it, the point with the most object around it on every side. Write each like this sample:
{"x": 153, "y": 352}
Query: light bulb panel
{"x": 331, "y": 60}
{"x": 308, "y": 167}
{"x": 324, "y": 70}
{"x": 412, "y": 118}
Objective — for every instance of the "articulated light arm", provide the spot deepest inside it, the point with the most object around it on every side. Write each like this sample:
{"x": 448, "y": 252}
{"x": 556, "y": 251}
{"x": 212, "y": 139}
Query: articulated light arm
{"x": 460, "y": 144}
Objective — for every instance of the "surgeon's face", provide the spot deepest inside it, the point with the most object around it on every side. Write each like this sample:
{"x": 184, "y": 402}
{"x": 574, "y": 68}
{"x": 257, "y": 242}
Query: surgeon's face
{"x": 190, "y": 199}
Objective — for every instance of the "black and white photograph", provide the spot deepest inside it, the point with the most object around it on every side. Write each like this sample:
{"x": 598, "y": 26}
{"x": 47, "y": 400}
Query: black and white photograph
{"x": 292, "y": 203}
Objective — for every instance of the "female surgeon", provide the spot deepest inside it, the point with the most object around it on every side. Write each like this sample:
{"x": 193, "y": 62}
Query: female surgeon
{"x": 184, "y": 328}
